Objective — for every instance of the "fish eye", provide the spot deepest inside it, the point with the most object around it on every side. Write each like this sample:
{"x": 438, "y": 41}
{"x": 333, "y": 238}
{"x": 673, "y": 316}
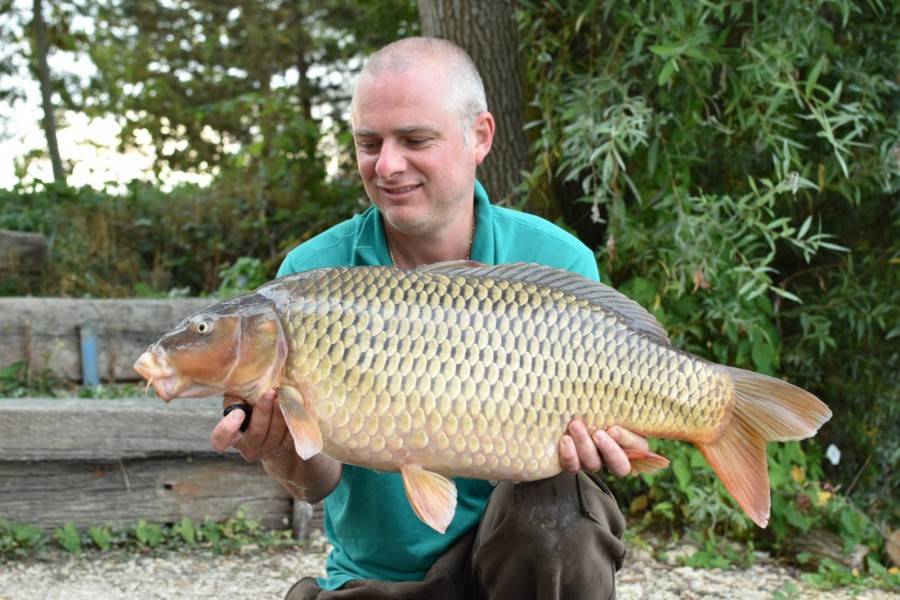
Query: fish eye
{"x": 203, "y": 327}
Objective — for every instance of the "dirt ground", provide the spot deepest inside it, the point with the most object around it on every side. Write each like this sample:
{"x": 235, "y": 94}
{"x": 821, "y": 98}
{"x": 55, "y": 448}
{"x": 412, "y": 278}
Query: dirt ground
{"x": 266, "y": 573}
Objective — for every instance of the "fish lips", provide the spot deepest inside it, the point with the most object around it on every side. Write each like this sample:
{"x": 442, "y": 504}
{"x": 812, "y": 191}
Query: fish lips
{"x": 151, "y": 368}
{"x": 168, "y": 385}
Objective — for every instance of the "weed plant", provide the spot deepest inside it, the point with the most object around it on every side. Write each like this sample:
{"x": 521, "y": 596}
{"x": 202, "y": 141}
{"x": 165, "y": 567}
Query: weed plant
{"x": 19, "y": 541}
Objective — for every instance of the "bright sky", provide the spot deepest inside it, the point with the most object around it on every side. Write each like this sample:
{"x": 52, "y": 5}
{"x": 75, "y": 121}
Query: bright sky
{"x": 20, "y": 131}
{"x": 88, "y": 147}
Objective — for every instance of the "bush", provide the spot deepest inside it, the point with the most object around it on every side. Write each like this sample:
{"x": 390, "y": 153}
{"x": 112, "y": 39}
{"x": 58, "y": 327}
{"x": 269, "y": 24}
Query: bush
{"x": 154, "y": 242}
{"x": 739, "y": 166}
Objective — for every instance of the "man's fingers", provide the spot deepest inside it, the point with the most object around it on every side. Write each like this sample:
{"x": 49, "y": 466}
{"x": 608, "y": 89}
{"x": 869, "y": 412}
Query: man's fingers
{"x": 627, "y": 439}
{"x": 227, "y": 432}
{"x": 245, "y": 408}
{"x": 568, "y": 456}
{"x": 613, "y": 456}
{"x": 588, "y": 456}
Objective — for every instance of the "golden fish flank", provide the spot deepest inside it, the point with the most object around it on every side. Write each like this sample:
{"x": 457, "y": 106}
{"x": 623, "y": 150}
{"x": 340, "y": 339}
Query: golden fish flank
{"x": 475, "y": 371}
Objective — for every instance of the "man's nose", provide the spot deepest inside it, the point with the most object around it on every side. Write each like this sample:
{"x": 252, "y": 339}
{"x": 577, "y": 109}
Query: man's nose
{"x": 391, "y": 160}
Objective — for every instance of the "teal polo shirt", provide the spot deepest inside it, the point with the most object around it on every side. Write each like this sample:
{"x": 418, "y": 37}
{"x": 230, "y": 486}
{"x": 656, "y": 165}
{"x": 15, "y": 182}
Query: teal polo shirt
{"x": 368, "y": 519}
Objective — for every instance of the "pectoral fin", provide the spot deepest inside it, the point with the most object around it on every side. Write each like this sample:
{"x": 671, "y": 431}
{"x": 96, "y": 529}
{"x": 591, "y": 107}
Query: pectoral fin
{"x": 644, "y": 461}
{"x": 301, "y": 423}
{"x": 432, "y": 496}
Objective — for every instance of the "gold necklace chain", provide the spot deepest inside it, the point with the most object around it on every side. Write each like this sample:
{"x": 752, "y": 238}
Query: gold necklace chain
{"x": 468, "y": 250}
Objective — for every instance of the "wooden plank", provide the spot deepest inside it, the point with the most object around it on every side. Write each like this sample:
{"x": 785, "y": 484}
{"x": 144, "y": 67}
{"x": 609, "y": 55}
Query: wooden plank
{"x": 44, "y": 332}
{"x": 50, "y": 494}
{"x": 91, "y": 429}
{"x": 92, "y": 462}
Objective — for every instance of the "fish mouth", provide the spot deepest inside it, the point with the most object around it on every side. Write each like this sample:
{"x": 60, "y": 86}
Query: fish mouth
{"x": 161, "y": 374}
{"x": 158, "y": 373}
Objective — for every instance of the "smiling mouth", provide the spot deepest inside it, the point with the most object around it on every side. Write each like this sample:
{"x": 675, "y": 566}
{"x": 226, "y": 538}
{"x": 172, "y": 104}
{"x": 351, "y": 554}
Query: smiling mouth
{"x": 399, "y": 190}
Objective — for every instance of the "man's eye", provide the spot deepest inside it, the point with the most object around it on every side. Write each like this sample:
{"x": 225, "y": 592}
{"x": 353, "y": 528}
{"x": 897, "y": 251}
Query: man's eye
{"x": 416, "y": 141}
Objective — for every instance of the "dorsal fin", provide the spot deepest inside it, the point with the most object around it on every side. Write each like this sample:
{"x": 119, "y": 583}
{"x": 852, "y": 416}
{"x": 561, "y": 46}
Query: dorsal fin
{"x": 453, "y": 265}
{"x": 604, "y": 296}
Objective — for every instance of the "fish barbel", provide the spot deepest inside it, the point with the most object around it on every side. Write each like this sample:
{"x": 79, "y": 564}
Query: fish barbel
{"x": 466, "y": 370}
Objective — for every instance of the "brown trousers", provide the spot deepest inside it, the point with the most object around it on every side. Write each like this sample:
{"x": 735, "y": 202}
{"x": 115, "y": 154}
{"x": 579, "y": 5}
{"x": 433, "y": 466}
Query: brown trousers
{"x": 558, "y": 538}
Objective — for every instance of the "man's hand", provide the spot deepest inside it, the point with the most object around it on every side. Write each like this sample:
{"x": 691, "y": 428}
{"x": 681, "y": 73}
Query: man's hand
{"x": 268, "y": 439}
{"x": 267, "y": 436}
{"x": 580, "y": 450}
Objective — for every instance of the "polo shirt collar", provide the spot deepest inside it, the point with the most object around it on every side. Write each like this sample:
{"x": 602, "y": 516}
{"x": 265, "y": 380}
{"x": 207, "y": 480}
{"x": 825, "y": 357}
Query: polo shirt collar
{"x": 483, "y": 242}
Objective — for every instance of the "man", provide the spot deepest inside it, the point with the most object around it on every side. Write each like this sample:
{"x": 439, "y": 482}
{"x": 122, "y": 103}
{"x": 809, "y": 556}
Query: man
{"x": 421, "y": 127}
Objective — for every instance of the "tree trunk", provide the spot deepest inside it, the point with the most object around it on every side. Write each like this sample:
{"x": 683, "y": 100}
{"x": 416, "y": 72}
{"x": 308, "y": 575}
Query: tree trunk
{"x": 41, "y": 46}
{"x": 487, "y": 31}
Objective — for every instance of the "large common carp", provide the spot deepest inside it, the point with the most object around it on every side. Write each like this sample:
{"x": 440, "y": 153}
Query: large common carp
{"x": 460, "y": 369}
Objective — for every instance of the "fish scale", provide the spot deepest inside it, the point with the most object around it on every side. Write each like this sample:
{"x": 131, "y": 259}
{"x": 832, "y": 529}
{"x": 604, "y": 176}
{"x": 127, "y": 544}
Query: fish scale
{"x": 466, "y": 370}
{"x": 525, "y": 388}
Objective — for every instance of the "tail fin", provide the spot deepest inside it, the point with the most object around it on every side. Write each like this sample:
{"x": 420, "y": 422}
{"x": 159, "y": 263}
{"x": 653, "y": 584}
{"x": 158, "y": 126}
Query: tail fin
{"x": 766, "y": 409}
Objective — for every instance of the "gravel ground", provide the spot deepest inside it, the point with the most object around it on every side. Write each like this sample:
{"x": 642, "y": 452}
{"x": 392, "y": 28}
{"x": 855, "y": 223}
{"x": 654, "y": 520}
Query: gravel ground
{"x": 264, "y": 573}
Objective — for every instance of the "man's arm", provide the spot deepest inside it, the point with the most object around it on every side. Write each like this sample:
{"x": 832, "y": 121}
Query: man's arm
{"x": 310, "y": 480}
{"x": 267, "y": 438}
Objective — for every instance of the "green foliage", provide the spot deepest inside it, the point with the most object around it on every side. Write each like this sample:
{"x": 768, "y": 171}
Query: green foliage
{"x": 17, "y": 381}
{"x": 112, "y": 391}
{"x": 227, "y": 535}
{"x": 718, "y": 553}
{"x": 254, "y": 104}
{"x": 185, "y": 530}
{"x": 687, "y": 495}
{"x": 11, "y": 36}
{"x": 244, "y": 275}
{"x": 738, "y": 162}
{"x": 832, "y": 575}
{"x": 17, "y": 540}
{"x": 246, "y": 85}
{"x": 68, "y": 537}
{"x": 111, "y": 245}
{"x": 147, "y": 534}
{"x": 688, "y": 499}
{"x": 102, "y": 536}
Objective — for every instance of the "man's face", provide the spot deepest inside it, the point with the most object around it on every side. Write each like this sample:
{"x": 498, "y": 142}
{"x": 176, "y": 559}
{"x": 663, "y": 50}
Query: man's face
{"x": 411, "y": 152}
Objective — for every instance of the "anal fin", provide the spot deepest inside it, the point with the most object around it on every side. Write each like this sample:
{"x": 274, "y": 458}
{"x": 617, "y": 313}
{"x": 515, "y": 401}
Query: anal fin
{"x": 302, "y": 425}
{"x": 432, "y": 496}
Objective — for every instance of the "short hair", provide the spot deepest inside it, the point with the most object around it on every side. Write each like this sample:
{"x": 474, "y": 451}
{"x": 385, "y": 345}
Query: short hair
{"x": 466, "y": 89}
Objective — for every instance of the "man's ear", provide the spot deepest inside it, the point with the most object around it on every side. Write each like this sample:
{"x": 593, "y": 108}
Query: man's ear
{"x": 483, "y": 135}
